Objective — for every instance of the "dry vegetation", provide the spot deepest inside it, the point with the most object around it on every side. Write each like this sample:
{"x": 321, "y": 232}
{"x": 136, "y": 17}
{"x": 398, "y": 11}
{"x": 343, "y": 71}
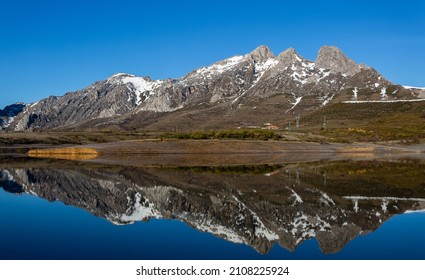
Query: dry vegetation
{"x": 74, "y": 153}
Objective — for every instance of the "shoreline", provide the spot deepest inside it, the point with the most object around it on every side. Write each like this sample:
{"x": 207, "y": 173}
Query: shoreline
{"x": 220, "y": 152}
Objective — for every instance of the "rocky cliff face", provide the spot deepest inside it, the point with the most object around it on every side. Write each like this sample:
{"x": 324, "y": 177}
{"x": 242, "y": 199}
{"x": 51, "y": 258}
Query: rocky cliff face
{"x": 285, "y": 206}
{"x": 231, "y": 88}
{"x": 335, "y": 60}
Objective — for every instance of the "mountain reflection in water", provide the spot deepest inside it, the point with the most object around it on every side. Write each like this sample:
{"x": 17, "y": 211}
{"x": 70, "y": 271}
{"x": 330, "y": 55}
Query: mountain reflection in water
{"x": 258, "y": 205}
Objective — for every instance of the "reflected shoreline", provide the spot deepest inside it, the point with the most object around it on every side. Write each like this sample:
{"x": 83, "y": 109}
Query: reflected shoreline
{"x": 222, "y": 152}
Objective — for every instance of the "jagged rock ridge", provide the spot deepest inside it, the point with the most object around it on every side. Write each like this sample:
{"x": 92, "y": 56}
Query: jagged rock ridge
{"x": 231, "y": 88}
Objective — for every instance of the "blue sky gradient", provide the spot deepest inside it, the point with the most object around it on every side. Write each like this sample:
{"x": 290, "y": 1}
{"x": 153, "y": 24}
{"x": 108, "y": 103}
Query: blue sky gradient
{"x": 53, "y": 47}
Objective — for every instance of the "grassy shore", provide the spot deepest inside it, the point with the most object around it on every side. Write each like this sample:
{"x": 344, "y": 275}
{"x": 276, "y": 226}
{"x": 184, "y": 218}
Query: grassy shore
{"x": 70, "y": 138}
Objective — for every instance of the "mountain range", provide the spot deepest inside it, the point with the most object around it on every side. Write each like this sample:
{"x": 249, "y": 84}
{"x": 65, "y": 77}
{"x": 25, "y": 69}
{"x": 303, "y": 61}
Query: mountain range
{"x": 241, "y": 91}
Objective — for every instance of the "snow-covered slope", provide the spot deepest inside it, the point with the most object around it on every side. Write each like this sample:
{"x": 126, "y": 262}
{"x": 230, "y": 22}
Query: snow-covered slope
{"x": 139, "y": 88}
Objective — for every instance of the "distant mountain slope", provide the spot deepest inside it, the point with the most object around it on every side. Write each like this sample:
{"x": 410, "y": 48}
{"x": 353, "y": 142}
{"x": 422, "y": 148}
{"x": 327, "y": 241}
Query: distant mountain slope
{"x": 242, "y": 90}
{"x": 8, "y": 114}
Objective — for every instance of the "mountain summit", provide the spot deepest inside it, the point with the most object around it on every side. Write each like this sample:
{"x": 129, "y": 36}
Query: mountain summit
{"x": 334, "y": 59}
{"x": 261, "y": 54}
{"x": 244, "y": 90}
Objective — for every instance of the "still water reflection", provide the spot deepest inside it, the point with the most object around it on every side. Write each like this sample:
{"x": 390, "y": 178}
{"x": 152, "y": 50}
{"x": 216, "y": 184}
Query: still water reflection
{"x": 345, "y": 209}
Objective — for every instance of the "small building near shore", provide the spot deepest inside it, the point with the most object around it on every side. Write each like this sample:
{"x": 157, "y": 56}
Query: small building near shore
{"x": 270, "y": 126}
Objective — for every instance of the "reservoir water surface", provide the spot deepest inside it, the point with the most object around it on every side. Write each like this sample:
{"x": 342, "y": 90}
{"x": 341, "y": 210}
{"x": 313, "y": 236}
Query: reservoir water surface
{"x": 59, "y": 209}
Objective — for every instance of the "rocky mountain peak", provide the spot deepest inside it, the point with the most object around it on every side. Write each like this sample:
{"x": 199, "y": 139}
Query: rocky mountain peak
{"x": 288, "y": 57}
{"x": 332, "y": 58}
{"x": 118, "y": 76}
{"x": 261, "y": 54}
{"x": 288, "y": 53}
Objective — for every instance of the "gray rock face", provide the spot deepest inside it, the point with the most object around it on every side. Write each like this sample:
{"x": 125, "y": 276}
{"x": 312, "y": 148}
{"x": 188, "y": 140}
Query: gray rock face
{"x": 288, "y": 57}
{"x": 225, "y": 87}
{"x": 261, "y": 54}
{"x": 113, "y": 97}
{"x": 334, "y": 59}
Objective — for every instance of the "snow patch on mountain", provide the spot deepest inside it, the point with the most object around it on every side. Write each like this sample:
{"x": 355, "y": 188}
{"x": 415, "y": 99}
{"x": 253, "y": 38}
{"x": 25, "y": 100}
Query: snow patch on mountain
{"x": 414, "y": 211}
{"x": 307, "y": 226}
{"x": 34, "y": 104}
{"x": 412, "y": 87}
{"x": 327, "y": 99}
{"x": 141, "y": 87}
{"x": 140, "y": 211}
{"x": 260, "y": 228}
{"x": 382, "y": 101}
{"x": 305, "y": 72}
{"x": 219, "y": 230}
{"x": 296, "y": 102}
{"x": 326, "y": 199}
{"x": 120, "y": 75}
{"x": 386, "y": 198}
{"x": 220, "y": 67}
{"x": 261, "y": 68}
{"x": 299, "y": 77}
{"x": 9, "y": 176}
{"x": 323, "y": 74}
{"x": 297, "y": 198}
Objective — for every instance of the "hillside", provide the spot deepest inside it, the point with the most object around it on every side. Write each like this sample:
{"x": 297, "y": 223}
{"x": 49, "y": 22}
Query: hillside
{"x": 242, "y": 91}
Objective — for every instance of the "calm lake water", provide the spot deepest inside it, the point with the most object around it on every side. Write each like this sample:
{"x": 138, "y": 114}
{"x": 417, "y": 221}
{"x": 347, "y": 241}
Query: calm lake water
{"x": 56, "y": 209}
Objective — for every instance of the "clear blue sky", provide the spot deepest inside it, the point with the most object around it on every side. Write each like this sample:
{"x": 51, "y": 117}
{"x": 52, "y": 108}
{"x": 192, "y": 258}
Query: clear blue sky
{"x": 52, "y": 47}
